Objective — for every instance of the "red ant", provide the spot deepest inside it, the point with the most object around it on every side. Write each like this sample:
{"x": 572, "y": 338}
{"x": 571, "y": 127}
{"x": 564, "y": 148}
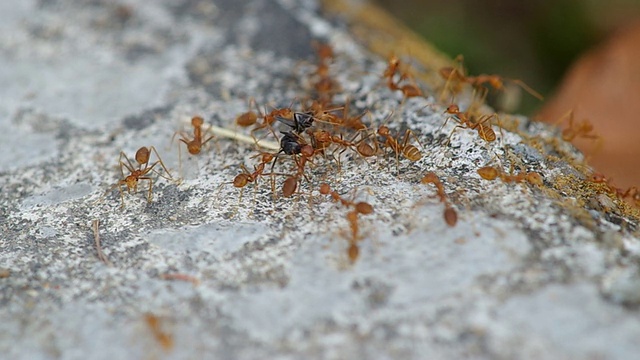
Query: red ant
{"x": 631, "y": 193}
{"x": 495, "y": 81}
{"x": 393, "y": 69}
{"x": 319, "y": 112}
{"x": 352, "y": 122}
{"x": 165, "y": 339}
{"x": 491, "y": 173}
{"x": 323, "y": 139}
{"x": 326, "y": 115}
{"x": 485, "y": 132}
{"x": 583, "y": 129}
{"x": 407, "y": 150}
{"x": 194, "y": 146}
{"x": 140, "y": 172}
{"x": 359, "y": 208}
{"x": 269, "y": 118}
{"x": 290, "y": 184}
{"x": 245, "y": 177}
{"x": 325, "y": 86}
{"x": 450, "y": 215}
{"x": 241, "y": 180}
{"x": 408, "y": 90}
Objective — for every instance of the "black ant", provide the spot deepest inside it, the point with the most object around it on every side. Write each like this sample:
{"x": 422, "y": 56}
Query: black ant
{"x": 301, "y": 121}
{"x": 290, "y": 143}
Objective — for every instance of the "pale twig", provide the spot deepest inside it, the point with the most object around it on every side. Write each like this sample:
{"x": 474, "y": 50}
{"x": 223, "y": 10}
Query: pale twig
{"x": 96, "y": 235}
{"x": 232, "y": 134}
{"x": 181, "y": 277}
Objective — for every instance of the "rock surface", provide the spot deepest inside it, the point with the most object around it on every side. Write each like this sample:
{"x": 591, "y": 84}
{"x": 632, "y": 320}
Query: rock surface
{"x": 528, "y": 271}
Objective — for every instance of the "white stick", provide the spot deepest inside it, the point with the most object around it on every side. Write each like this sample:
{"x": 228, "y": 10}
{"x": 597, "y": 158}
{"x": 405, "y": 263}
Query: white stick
{"x": 231, "y": 134}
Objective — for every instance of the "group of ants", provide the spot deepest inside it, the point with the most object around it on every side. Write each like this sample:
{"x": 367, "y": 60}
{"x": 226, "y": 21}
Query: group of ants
{"x": 319, "y": 129}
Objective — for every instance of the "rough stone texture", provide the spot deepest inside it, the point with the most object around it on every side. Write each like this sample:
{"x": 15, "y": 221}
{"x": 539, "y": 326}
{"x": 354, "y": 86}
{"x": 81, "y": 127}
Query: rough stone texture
{"x": 522, "y": 275}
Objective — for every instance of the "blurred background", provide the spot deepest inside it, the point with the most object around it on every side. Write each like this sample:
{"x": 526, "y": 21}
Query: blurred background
{"x": 581, "y": 55}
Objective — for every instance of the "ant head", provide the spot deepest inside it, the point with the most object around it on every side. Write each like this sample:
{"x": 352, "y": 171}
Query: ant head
{"x": 488, "y": 172}
{"x": 446, "y": 72}
{"x": 142, "y": 155}
{"x": 193, "y": 148}
{"x": 352, "y": 216}
{"x": 131, "y": 181}
{"x": 534, "y": 178}
{"x": 598, "y": 178}
{"x": 429, "y": 178}
{"x": 353, "y": 252}
{"x": 322, "y": 136}
{"x": 453, "y": 109}
{"x": 325, "y": 189}
{"x": 325, "y": 51}
{"x": 285, "y": 112}
{"x": 383, "y": 130}
{"x": 496, "y": 82}
{"x": 197, "y": 121}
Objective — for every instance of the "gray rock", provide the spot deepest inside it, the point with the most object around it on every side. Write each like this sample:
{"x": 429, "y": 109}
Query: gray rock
{"x": 527, "y": 272}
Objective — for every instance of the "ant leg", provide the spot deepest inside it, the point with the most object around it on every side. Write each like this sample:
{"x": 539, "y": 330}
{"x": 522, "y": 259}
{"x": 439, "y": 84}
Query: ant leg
{"x": 182, "y": 134}
{"x": 451, "y": 134}
{"x": 153, "y": 149}
{"x": 180, "y": 157}
{"x": 240, "y": 197}
{"x": 528, "y": 89}
{"x": 569, "y": 115}
{"x": 129, "y": 167}
{"x": 406, "y": 138}
{"x": 121, "y": 196}
{"x": 499, "y": 124}
{"x": 273, "y": 186}
{"x": 149, "y": 192}
{"x": 275, "y": 159}
{"x": 483, "y": 119}
{"x": 211, "y": 137}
